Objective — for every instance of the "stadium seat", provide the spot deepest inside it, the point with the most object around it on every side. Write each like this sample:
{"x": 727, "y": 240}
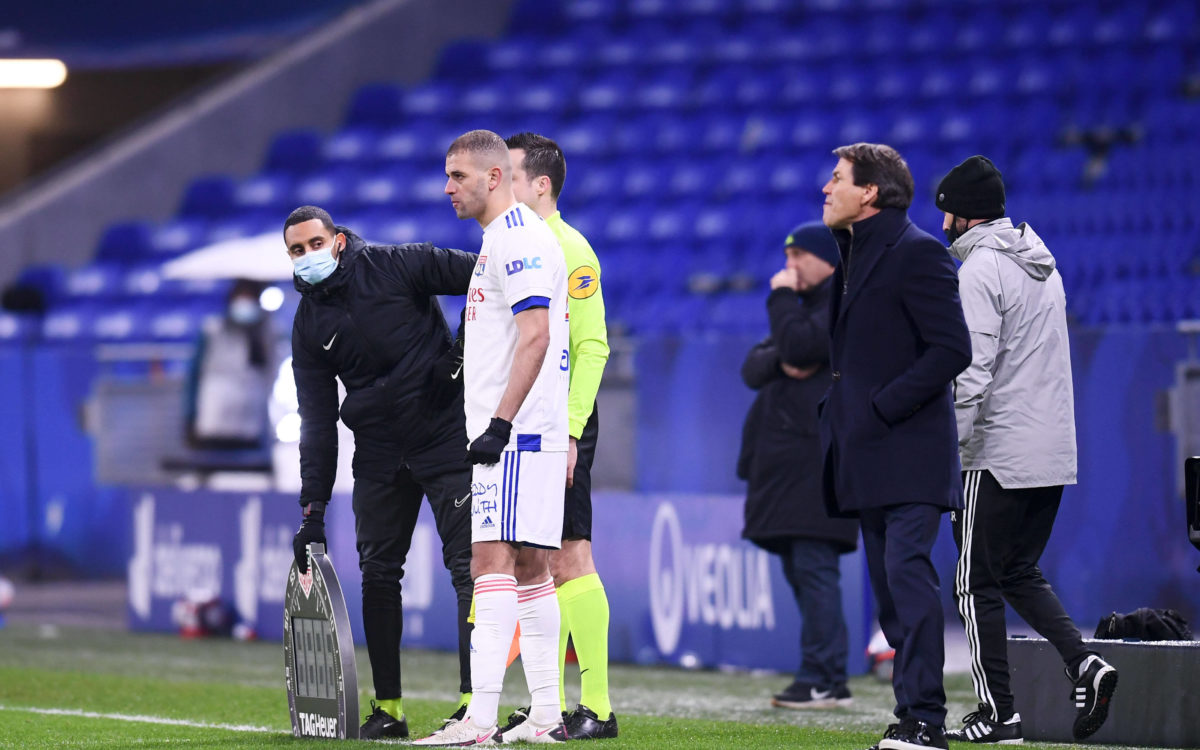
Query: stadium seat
{"x": 350, "y": 147}
{"x": 208, "y": 197}
{"x": 267, "y": 192}
{"x": 97, "y": 281}
{"x": 376, "y": 105}
{"x": 294, "y": 152}
{"x": 124, "y": 242}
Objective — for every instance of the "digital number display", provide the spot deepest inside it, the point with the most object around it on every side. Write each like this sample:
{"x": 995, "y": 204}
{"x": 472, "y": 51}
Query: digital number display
{"x": 312, "y": 644}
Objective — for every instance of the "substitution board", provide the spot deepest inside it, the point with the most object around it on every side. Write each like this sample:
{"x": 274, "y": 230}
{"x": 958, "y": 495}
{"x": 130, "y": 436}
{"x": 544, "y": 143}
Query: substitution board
{"x": 318, "y": 652}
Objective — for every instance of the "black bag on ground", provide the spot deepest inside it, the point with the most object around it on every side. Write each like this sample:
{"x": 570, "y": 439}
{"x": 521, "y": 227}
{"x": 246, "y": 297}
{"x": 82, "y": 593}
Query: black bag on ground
{"x": 1145, "y": 624}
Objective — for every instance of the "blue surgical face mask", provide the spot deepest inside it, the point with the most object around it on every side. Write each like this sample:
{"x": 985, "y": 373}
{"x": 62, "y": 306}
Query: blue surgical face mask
{"x": 245, "y": 311}
{"x": 316, "y": 266}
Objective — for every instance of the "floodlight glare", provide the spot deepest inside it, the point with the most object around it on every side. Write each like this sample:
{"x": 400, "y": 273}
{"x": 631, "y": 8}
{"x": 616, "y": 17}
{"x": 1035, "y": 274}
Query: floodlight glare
{"x": 32, "y": 74}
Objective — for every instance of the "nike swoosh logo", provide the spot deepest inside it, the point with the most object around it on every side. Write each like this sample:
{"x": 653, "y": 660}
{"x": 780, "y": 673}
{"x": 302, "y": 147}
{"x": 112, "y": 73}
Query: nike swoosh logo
{"x": 459, "y": 503}
{"x": 326, "y": 346}
{"x": 820, "y": 695}
{"x": 454, "y": 375}
{"x": 581, "y": 672}
{"x": 539, "y": 733}
{"x": 482, "y": 737}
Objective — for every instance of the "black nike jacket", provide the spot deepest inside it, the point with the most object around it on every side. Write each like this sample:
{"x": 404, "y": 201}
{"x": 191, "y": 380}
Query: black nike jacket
{"x": 375, "y": 323}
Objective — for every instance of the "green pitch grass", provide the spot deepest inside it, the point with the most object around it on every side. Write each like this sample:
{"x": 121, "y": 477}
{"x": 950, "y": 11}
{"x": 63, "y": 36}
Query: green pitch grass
{"x": 68, "y": 688}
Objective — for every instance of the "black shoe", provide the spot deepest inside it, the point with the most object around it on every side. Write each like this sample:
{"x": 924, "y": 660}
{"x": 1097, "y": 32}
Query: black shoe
{"x": 802, "y": 695}
{"x": 380, "y": 724}
{"x": 456, "y": 716}
{"x": 891, "y": 730}
{"x": 1094, "y": 688}
{"x": 912, "y": 734}
{"x": 516, "y": 718}
{"x": 584, "y": 724}
{"x": 980, "y": 727}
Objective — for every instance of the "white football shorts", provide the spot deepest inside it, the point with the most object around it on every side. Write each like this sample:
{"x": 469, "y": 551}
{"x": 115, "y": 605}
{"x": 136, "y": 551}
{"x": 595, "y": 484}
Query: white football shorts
{"x": 520, "y": 499}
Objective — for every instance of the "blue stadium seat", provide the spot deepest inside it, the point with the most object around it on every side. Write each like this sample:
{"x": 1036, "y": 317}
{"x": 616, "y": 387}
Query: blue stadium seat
{"x": 377, "y": 105}
{"x": 17, "y": 329}
{"x": 512, "y": 54}
{"x": 588, "y": 137}
{"x": 331, "y": 190}
{"x": 179, "y": 322}
{"x": 608, "y": 92}
{"x": 97, "y": 281}
{"x": 178, "y": 236}
{"x": 69, "y": 324}
{"x": 462, "y": 59}
{"x": 120, "y": 323}
{"x": 294, "y": 152}
{"x": 384, "y": 188}
{"x": 267, "y": 192}
{"x": 351, "y": 146}
{"x": 124, "y": 242}
{"x": 210, "y": 197}
{"x": 432, "y": 99}
{"x": 48, "y": 279}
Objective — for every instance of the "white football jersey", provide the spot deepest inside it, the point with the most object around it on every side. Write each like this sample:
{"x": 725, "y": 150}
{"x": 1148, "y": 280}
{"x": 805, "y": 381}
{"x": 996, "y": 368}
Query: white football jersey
{"x": 520, "y": 266}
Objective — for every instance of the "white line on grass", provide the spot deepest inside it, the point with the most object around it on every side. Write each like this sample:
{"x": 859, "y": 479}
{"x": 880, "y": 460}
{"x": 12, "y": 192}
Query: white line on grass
{"x": 142, "y": 719}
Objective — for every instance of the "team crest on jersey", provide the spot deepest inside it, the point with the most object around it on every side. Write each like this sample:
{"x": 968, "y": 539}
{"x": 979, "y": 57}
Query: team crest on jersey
{"x": 482, "y": 264}
{"x": 583, "y": 283}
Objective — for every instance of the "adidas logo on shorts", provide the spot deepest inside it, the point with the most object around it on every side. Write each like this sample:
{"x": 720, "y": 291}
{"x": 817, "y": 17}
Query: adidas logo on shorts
{"x": 487, "y": 523}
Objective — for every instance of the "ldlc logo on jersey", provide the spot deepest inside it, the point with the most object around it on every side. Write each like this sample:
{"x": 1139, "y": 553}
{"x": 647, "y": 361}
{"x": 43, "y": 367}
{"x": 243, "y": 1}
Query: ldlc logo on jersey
{"x": 482, "y": 264}
{"x": 520, "y": 265}
{"x": 583, "y": 283}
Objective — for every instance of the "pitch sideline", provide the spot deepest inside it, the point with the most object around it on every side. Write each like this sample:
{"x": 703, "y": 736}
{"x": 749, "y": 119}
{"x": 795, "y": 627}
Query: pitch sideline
{"x": 137, "y": 718}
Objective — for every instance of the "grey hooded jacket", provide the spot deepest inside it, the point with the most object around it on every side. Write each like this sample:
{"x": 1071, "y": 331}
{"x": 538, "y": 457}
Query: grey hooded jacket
{"x": 1015, "y": 403}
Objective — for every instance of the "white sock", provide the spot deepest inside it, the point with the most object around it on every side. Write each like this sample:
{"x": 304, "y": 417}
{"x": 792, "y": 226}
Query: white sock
{"x": 537, "y": 609}
{"x": 495, "y": 623}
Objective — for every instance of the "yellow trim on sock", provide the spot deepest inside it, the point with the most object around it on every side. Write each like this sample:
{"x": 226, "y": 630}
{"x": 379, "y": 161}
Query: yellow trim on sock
{"x": 577, "y": 586}
{"x": 395, "y": 707}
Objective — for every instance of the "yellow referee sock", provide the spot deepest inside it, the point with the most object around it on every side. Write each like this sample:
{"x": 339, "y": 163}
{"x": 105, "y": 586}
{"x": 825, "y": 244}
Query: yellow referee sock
{"x": 584, "y": 607}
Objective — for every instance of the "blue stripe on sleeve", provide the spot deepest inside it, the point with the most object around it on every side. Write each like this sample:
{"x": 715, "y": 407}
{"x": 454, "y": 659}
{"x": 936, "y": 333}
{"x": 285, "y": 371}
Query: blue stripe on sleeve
{"x": 529, "y": 302}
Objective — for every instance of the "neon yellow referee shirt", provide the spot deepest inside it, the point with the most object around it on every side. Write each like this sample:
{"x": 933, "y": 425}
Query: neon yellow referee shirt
{"x": 589, "y": 336}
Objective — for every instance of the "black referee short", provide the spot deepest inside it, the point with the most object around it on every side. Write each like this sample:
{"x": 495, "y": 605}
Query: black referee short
{"x": 577, "y": 505}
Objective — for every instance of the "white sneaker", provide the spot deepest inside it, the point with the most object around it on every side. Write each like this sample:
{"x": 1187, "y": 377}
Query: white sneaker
{"x": 460, "y": 734}
{"x": 527, "y": 731}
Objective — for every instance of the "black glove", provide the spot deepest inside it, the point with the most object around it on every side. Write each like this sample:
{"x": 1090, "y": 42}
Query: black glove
{"x": 312, "y": 529}
{"x": 486, "y": 448}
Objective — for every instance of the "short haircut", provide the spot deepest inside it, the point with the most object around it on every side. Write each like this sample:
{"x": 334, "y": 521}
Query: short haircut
{"x": 543, "y": 158}
{"x": 484, "y": 144}
{"x": 880, "y": 165}
{"x": 308, "y": 213}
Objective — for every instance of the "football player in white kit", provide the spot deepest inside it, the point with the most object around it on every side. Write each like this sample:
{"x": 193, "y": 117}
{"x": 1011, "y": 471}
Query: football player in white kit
{"x": 516, "y": 378}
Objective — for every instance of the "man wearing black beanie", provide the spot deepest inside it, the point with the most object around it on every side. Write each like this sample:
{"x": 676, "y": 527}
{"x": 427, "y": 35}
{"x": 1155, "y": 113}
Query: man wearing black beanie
{"x": 1014, "y": 407}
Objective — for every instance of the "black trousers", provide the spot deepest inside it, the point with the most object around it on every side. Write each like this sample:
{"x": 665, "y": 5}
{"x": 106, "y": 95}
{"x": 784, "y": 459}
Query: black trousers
{"x": 1000, "y": 536}
{"x": 898, "y": 540}
{"x": 385, "y": 514}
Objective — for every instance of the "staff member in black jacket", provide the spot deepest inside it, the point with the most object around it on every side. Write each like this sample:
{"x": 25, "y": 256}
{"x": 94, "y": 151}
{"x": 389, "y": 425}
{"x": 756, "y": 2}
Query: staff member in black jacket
{"x": 887, "y": 426}
{"x": 781, "y": 460}
{"x": 368, "y": 316}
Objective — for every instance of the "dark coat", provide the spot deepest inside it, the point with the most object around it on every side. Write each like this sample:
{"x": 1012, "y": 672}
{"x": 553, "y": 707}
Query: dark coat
{"x": 898, "y": 339}
{"x": 376, "y": 325}
{"x": 781, "y": 452}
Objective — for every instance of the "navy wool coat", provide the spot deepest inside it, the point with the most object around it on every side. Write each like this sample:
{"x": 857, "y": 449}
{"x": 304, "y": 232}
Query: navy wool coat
{"x": 897, "y": 340}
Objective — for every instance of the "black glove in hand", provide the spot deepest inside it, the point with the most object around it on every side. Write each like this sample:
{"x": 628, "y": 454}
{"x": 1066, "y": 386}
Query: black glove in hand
{"x": 312, "y": 529}
{"x": 486, "y": 448}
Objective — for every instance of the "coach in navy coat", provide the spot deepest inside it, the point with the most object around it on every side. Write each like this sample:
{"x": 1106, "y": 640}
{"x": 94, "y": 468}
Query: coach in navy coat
{"x": 890, "y": 443}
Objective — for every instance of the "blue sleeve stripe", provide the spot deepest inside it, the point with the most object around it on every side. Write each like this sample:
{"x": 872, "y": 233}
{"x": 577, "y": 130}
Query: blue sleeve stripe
{"x": 528, "y": 442}
{"x": 529, "y": 302}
